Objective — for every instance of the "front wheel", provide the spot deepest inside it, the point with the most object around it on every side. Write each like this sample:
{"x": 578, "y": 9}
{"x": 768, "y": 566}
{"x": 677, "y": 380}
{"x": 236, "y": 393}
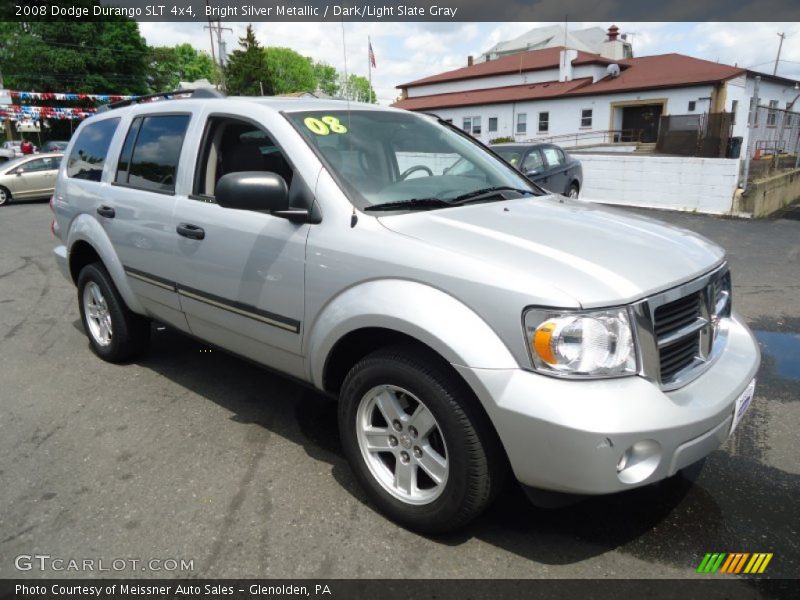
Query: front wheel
{"x": 417, "y": 443}
{"x": 5, "y": 196}
{"x": 115, "y": 332}
{"x": 573, "y": 191}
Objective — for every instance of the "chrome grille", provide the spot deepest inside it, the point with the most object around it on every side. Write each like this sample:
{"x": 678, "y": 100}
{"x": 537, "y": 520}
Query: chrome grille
{"x": 684, "y": 325}
{"x": 672, "y": 317}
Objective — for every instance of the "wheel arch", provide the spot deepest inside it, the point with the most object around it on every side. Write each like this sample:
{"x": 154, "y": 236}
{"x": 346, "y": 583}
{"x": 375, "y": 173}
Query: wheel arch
{"x": 386, "y": 312}
{"x": 88, "y": 242}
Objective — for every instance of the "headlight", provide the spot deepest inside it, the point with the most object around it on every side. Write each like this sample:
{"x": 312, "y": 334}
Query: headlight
{"x": 581, "y": 344}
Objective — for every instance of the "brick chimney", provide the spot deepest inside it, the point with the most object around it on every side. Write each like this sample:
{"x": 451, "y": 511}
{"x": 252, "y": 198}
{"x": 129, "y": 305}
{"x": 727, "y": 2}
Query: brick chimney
{"x": 470, "y": 60}
{"x": 615, "y": 48}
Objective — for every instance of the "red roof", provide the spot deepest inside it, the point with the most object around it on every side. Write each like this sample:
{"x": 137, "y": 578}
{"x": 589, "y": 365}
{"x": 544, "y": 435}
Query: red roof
{"x": 643, "y": 73}
{"x": 499, "y": 95}
{"x": 663, "y": 70}
{"x": 535, "y": 60}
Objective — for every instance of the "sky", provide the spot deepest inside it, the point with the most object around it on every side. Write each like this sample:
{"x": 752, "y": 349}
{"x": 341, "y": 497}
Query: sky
{"x": 408, "y": 51}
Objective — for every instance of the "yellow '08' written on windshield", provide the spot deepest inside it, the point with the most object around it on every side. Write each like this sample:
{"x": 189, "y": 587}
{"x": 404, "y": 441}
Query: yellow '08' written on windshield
{"x": 324, "y": 125}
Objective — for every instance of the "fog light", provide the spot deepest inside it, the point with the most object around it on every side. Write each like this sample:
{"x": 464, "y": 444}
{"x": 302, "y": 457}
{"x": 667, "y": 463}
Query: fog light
{"x": 639, "y": 461}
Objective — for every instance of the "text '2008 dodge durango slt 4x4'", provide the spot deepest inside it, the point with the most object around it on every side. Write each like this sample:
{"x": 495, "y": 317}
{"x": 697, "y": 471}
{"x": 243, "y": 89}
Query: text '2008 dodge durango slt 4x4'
{"x": 469, "y": 324}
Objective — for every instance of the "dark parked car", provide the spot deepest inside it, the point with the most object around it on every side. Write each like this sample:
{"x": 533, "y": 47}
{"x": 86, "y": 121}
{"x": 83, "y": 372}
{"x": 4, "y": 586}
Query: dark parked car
{"x": 545, "y": 164}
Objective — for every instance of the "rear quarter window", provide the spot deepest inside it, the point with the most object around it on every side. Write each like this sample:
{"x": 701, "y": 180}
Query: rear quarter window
{"x": 89, "y": 153}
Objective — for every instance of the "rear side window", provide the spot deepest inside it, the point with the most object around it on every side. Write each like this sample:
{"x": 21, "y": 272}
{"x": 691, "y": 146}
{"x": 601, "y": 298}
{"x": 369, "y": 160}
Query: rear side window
{"x": 149, "y": 158}
{"x": 89, "y": 152}
{"x": 554, "y": 157}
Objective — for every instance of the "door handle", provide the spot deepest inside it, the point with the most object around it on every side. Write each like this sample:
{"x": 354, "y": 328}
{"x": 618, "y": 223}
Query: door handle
{"x": 106, "y": 211}
{"x": 190, "y": 231}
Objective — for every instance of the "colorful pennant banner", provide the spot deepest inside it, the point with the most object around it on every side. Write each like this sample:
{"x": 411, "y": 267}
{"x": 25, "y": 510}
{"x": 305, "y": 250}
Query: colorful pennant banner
{"x": 22, "y": 112}
{"x": 68, "y": 97}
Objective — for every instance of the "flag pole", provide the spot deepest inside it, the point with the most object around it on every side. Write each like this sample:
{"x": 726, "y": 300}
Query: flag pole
{"x": 369, "y": 62}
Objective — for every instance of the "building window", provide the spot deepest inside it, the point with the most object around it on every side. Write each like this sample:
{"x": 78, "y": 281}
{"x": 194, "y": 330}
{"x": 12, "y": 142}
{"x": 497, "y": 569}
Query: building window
{"x": 692, "y": 105}
{"x": 544, "y": 122}
{"x": 753, "y": 112}
{"x": 787, "y": 116}
{"x": 772, "y": 115}
{"x": 734, "y": 108}
{"x": 586, "y": 117}
{"x": 522, "y": 123}
{"x": 472, "y": 125}
{"x": 492, "y": 124}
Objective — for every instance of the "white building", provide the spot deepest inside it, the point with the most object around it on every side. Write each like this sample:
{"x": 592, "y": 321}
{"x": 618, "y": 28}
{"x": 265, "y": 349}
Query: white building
{"x": 556, "y": 91}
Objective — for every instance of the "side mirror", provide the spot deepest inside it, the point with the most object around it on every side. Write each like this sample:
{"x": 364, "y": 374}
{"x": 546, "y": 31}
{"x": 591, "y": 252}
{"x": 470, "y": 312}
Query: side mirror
{"x": 253, "y": 190}
{"x": 19, "y": 171}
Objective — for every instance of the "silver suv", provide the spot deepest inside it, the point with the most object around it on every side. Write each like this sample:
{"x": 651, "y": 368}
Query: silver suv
{"x": 471, "y": 325}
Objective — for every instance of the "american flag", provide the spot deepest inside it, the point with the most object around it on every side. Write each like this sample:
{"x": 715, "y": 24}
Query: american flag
{"x": 372, "y": 57}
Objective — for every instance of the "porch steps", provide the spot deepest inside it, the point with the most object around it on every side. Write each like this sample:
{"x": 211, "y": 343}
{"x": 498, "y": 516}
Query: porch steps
{"x": 643, "y": 148}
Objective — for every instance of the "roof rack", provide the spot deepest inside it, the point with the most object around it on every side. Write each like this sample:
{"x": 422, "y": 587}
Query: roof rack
{"x": 199, "y": 93}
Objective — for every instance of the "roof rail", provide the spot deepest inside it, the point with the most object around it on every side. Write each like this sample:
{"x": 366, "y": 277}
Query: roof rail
{"x": 199, "y": 93}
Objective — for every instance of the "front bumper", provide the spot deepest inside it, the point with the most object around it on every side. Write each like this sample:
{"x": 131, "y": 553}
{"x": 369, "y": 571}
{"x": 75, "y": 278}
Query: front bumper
{"x": 569, "y": 436}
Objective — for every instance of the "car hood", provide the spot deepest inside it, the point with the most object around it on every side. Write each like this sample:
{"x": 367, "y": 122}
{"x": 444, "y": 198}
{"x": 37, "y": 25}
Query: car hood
{"x": 597, "y": 255}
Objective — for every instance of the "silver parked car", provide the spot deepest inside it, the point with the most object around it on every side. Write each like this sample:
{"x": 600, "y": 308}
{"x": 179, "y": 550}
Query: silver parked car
{"x": 470, "y": 326}
{"x": 29, "y": 178}
{"x": 12, "y": 148}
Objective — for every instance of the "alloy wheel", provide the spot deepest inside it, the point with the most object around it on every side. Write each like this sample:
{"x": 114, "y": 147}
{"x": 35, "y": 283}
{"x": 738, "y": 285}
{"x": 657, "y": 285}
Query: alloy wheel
{"x": 402, "y": 444}
{"x": 98, "y": 317}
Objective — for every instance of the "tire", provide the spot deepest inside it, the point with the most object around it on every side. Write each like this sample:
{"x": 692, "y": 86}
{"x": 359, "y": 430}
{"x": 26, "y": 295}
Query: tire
{"x": 5, "y": 196}
{"x": 440, "y": 495}
{"x": 573, "y": 190}
{"x": 115, "y": 333}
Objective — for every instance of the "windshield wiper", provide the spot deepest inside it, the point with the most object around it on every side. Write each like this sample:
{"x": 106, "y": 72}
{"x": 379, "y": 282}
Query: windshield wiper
{"x": 412, "y": 204}
{"x": 487, "y": 193}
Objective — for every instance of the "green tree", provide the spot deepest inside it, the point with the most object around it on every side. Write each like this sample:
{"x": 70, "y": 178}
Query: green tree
{"x": 290, "y": 71}
{"x": 327, "y": 78}
{"x": 247, "y": 68}
{"x": 358, "y": 88}
{"x": 108, "y": 56}
{"x": 105, "y": 57}
{"x": 169, "y": 66}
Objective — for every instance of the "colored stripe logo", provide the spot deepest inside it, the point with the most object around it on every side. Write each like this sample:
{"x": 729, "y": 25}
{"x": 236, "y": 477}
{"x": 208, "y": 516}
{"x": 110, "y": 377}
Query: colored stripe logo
{"x": 735, "y": 562}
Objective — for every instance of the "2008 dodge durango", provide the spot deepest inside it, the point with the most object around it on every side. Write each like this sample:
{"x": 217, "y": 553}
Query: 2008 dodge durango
{"x": 470, "y": 325}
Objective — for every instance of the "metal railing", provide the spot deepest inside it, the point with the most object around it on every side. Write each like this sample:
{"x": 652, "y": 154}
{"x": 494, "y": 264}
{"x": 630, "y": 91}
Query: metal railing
{"x": 590, "y": 138}
{"x": 773, "y": 142}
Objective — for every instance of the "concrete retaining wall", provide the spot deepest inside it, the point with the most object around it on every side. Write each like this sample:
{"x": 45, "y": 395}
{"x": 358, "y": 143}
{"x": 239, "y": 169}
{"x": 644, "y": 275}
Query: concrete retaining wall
{"x": 768, "y": 195}
{"x": 704, "y": 185}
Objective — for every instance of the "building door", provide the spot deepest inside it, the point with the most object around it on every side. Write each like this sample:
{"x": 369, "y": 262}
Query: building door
{"x": 644, "y": 119}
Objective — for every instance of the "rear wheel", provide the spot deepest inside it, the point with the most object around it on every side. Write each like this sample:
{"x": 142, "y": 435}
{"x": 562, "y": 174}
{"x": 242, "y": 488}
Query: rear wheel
{"x": 115, "y": 332}
{"x": 5, "y": 196}
{"x": 416, "y": 442}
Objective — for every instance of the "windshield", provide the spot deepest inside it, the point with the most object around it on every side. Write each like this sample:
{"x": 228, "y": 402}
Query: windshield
{"x": 381, "y": 157}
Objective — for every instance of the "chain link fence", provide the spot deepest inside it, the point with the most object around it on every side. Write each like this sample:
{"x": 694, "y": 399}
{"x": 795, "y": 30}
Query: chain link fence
{"x": 773, "y": 143}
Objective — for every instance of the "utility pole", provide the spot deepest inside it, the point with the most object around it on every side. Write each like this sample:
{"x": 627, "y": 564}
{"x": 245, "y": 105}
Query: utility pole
{"x": 211, "y": 37}
{"x": 778, "y": 58}
{"x": 215, "y": 27}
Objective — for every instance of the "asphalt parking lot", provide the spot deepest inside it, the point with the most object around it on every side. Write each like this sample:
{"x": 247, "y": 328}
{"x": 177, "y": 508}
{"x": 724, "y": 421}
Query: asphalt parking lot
{"x": 194, "y": 454}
